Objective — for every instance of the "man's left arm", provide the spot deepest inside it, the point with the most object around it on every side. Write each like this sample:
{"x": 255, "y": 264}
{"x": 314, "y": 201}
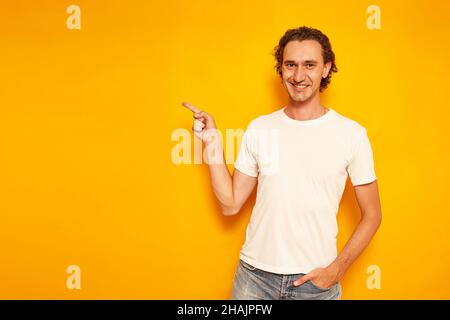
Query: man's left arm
{"x": 369, "y": 203}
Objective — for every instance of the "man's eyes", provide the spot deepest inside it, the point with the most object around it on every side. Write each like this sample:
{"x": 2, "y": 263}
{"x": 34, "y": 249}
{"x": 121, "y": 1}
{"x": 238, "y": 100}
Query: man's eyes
{"x": 309, "y": 65}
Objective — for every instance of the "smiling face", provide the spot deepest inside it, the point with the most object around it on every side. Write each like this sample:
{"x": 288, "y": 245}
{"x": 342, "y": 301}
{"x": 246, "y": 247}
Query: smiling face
{"x": 303, "y": 69}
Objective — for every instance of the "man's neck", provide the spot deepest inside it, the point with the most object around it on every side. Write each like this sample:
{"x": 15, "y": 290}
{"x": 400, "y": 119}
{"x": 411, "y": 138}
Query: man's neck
{"x": 305, "y": 110}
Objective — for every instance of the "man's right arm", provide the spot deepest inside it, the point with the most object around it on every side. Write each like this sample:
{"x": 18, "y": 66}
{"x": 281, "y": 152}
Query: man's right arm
{"x": 230, "y": 191}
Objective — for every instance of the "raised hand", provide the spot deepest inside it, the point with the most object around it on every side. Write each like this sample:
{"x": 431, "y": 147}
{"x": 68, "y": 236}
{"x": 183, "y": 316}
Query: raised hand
{"x": 204, "y": 125}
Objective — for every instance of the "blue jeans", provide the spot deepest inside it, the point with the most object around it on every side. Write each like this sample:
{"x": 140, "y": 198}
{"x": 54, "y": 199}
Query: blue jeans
{"x": 251, "y": 283}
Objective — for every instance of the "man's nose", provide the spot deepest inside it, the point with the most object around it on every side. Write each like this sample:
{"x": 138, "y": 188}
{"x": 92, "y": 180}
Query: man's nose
{"x": 299, "y": 74}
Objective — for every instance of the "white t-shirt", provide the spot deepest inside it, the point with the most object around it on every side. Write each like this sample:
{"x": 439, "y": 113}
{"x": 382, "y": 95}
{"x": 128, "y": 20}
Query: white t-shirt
{"x": 302, "y": 167}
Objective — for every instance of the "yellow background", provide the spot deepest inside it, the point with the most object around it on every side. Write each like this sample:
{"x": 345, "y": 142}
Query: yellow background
{"x": 87, "y": 115}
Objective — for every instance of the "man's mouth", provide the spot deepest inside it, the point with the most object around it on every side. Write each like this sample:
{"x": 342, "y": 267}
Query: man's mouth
{"x": 299, "y": 86}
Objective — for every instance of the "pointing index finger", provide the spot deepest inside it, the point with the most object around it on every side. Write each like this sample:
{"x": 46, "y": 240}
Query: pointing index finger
{"x": 190, "y": 107}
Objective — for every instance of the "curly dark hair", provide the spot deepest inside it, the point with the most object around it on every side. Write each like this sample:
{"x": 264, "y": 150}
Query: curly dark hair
{"x": 307, "y": 33}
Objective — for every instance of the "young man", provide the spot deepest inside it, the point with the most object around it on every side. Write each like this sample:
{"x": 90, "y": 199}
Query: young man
{"x": 290, "y": 247}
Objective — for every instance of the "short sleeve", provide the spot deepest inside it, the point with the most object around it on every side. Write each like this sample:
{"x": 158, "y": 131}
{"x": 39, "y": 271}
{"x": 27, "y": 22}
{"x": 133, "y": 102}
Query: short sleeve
{"x": 361, "y": 166}
{"x": 246, "y": 161}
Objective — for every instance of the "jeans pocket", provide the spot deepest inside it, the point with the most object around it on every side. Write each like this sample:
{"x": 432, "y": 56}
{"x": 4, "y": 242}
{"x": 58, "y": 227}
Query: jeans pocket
{"x": 247, "y": 266}
{"x": 319, "y": 288}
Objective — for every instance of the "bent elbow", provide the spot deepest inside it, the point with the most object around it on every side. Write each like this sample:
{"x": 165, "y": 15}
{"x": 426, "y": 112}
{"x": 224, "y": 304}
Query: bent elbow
{"x": 376, "y": 220}
{"x": 230, "y": 211}
{"x": 380, "y": 218}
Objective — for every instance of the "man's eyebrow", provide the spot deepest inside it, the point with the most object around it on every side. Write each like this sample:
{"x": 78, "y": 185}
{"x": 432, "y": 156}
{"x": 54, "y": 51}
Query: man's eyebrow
{"x": 306, "y": 61}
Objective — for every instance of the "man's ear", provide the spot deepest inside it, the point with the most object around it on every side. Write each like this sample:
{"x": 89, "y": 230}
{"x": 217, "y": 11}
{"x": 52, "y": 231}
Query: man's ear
{"x": 326, "y": 69}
